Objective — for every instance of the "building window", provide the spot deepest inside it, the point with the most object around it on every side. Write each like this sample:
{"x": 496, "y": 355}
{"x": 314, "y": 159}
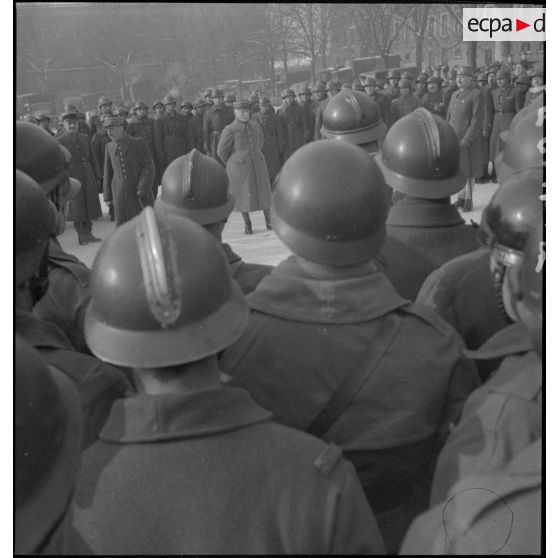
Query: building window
{"x": 445, "y": 21}
{"x": 458, "y": 53}
{"x": 431, "y": 26}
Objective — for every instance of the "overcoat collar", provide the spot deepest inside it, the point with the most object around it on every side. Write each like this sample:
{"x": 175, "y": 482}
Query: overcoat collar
{"x": 338, "y": 296}
{"x": 147, "y": 418}
{"x": 422, "y": 213}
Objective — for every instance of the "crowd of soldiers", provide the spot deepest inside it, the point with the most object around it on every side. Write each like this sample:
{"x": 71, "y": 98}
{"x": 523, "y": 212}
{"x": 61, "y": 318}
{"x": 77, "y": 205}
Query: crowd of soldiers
{"x": 378, "y": 391}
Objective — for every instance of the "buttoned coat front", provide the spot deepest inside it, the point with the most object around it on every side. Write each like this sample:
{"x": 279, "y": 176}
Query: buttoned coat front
{"x": 505, "y": 106}
{"x": 274, "y": 141}
{"x": 240, "y": 149}
{"x": 128, "y": 177}
{"x": 465, "y": 115}
{"x": 86, "y": 205}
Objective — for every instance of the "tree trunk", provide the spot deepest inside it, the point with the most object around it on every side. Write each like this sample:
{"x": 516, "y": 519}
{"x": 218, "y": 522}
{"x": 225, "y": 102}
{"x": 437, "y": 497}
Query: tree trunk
{"x": 385, "y": 58}
{"x": 418, "y": 53}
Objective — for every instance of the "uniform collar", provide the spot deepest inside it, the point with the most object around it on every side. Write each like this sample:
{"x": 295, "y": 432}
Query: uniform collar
{"x": 423, "y": 213}
{"x": 334, "y": 295}
{"x": 149, "y": 418}
{"x": 511, "y": 340}
{"x": 40, "y": 333}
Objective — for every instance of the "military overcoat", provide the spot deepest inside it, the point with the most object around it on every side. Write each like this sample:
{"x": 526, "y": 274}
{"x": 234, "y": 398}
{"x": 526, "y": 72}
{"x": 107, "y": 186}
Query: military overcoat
{"x": 240, "y": 149}
{"x": 274, "y": 141}
{"x": 504, "y": 103}
{"x": 172, "y": 138}
{"x": 294, "y": 125}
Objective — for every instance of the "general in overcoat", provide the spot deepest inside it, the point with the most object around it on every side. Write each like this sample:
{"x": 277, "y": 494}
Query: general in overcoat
{"x": 274, "y": 141}
{"x": 128, "y": 177}
{"x": 86, "y": 205}
{"x": 465, "y": 114}
{"x": 240, "y": 149}
{"x": 504, "y": 104}
{"x": 172, "y": 138}
{"x": 307, "y": 327}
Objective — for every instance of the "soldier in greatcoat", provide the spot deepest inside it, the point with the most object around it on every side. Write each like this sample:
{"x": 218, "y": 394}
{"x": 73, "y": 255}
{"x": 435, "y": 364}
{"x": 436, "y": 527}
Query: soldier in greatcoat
{"x": 421, "y": 85}
{"x": 144, "y": 127}
{"x": 294, "y": 123}
{"x": 522, "y": 84}
{"x": 465, "y": 115}
{"x": 405, "y": 103}
{"x": 98, "y": 143}
{"x": 158, "y": 109}
{"x": 308, "y": 111}
{"x": 486, "y": 92}
{"x": 85, "y": 207}
{"x": 274, "y": 137}
{"x": 240, "y": 149}
{"x": 333, "y": 87}
{"x": 451, "y": 87}
{"x": 433, "y": 99}
{"x": 172, "y": 134}
{"x": 129, "y": 172}
{"x": 104, "y": 106}
{"x": 215, "y": 118}
{"x": 196, "y": 124}
{"x": 392, "y": 84}
{"x": 372, "y": 89}
{"x": 505, "y": 107}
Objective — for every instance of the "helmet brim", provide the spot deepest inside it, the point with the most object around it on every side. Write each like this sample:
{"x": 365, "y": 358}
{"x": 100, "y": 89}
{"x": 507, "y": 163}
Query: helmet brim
{"x": 170, "y": 346}
{"x": 333, "y": 253}
{"x": 200, "y": 216}
{"x": 36, "y": 518}
{"x": 419, "y": 187}
{"x": 357, "y": 137}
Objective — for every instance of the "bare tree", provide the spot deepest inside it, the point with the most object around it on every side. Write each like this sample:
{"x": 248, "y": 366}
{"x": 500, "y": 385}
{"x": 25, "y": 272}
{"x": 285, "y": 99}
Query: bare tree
{"x": 470, "y": 46}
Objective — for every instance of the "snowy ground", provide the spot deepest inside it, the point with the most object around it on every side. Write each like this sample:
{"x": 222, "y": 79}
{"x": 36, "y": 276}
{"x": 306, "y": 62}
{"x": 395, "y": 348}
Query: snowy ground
{"x": 261, "y": 247}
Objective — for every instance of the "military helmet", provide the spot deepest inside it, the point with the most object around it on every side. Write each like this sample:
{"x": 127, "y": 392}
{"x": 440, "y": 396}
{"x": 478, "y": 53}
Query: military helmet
{"x": 48, "y": 425}
{"x": 354, "y": 117}
{"x": 357, "y": 86}
{"x": 157, "y": 103}
{"x": 503, "y": 73}
{"x": 104, "y": 100}
{"x": 370, "y": 82}
{"x": 186, "y": 104}
{"x": 422, "y": 77}
{"x": 320, "y": 86}
{"x": 434, "y": 79}
{"x": 265, "y": 101}
{"x": 525, "y": 145}
{"x": 162, "y": 295}
{"x": 169, "y": 99}
{"x": 217, "y": 93}
{"x": 420, "y": 156}
{"x": 253, "y": 98}
{"x": 199, "y": 102}
{"x": 196, "y": 186}
{"x": 407, "y": 75}
{"x": 330, "y": 204}
{"x": 394, "y": 73}
{"x": 140, "y": 105}
{"x": 333, "y": 85}
{"x": 287, "y": 93}
{"x": 303, "y": 90}
{"x": 404, "y": 84}
{"x": 38, "y": 154}
{"x": 482, "y": 77}
{"x": 230, "y": 98}
{"x": 34, "y": 225}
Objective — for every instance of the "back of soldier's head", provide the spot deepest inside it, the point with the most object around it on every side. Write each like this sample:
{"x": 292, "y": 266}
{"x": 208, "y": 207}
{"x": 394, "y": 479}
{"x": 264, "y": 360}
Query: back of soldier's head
{"x": 196, "y": 186}
{"x": 162, "y": 295}
{"x": 48, "y": 425}
{"x": 330, "y": 204}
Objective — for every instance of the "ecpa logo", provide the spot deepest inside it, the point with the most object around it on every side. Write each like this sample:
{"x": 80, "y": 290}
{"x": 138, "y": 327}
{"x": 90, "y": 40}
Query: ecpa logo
{"x": 503, "y": 24}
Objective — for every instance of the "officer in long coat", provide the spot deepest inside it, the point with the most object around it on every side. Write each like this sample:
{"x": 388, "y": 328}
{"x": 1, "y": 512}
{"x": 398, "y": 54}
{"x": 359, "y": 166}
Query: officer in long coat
{"x": 423, "y": 229}
{"x": 405, "y": 103}
{"x": 192, "y": 466}
{"x": 294, "y": 123}
{"x": 332, "y": 88}
{"x": 129, "y": 172}
{"x": 392, "y": 85}
{"x": 451, "y": 87}
{"x": 306, "y": 354}
{"x": 486, "y": 92}
{"x": 504, "y": 102}
{"x": 144, "y": 127}
{"x": 274, "y": 137}
{"x": 85, "y": 206}
{"x": 215, "y": 118}
{"x": 172, "y": 134}
{"x": 240, "y": 149}
{"x": 373, "y": 91}
{"x": 465, "y": 115}
{"x": 307, "y": 104}
{"x": 196, "y": 124}
{"x": 433, "y": 99}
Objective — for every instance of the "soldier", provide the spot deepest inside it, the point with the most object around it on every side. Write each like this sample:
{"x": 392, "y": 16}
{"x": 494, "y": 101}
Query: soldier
{"x": 86, "y": 206}
{"x": 321, "y": 307}
{"x": 354, "y": 117}
{"x": 294, "y": 123}
{"x": 124, "y": 114}
{"x": 99, "y": 142}
{"x": 357, "y": 86}
{"x": 308, "y": 112}
{"x": 208, "y": 97}
{"x": 274, "y": 137}
{"x": 230, "y": 99}
{"x": 405, "y": 103}
{"x": 104, "y": 106}
{"x": 196, "y": 124}
{"x": 451, "y": 87}
{"x": 83, "y": 128}
{"x": 433, "y": 100}
{"x": 254, "y": 101}
{"x": 240, "y": 149}
{"x": 392, "y": 89}
{"x": 144, "y": 127}
{"x": 421, "y": 85}
{"x": 98, "y": 385}
{"x": 172, "y": 134}
{"x": 488, "y": 117}
{"x": 196, "y": 186}
{"x": 44, "y": 123}
{"x": 320, "y": 91}
{"x": 158, "y": 109}
{"x": 215, "y": 118}
{"x": 420, "y": 161}
{"x": 321, "y": 95}
{"x": 186, "y": 108}
{"x": 522, "y": 84}
{"x": 494, "y": 454}
{"x": 537, "y": 82}
{"x": 503, "y": 100}
{"x": 47, "y": 450}
{"x": 374, "y": 92}
{"x": 198, "y": 437}
{"x": 129, "y": 172}
{"x": 465, "y": 115}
